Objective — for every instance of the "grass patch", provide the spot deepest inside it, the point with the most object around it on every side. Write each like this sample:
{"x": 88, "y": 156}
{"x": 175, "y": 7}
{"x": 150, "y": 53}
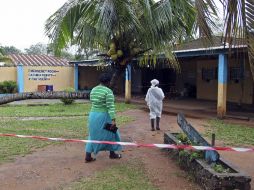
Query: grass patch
{"x": 120, "y": 107}
{"x": 60, "y": 127}
{"x": 11, "y": 146}
{"x": 126, "y": 176}
{"x": 65, "y": 128}
{"x": 53, "y": 110}
{"x": 231, "y": 134}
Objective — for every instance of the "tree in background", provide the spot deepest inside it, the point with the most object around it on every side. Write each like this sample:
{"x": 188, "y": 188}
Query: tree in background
{"x": 126, "y": 29}
{"x": 64, "y": 54}
{"x": 47, "y": 49}
{"x": 4, "y": 58}
{"x": 10, "y": 50}
{"x": 37, "y": 49}
{"x": 86, "y": 53}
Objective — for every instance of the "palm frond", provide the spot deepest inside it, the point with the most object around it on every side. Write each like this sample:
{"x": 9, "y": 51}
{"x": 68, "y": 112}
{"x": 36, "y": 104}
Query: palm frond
{"x": 239, "y": 25}
{"x": 61, "y": 25}
{"x": 132, "y": 24}
{"x": 249, "y": 5}
{"x": 206, "y": 14}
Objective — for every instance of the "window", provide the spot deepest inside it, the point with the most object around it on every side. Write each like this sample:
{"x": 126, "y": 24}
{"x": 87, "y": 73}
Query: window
{"x": 208, "y": 74}
{"x": 235, "y": 74}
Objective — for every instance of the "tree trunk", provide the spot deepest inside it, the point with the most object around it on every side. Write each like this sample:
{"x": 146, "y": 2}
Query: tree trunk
{"x": 116, "y": 76}
{"x": 43, "y": 95}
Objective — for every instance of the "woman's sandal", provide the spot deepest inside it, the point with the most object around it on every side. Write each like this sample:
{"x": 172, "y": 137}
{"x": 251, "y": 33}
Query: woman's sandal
{"x": 115, "y": 156}
{"x": 87, "y": 160}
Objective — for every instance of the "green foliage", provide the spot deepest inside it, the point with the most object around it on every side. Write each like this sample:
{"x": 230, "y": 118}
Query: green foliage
{"x": 3, "y": 57}
{"x": 220, "y": 169}
{"x": 127, "y": 176}
{"x": 183, "y": 138}
{"x": 37, "y": 49}
{"x": 196, "y": 155}
{"x": 231, "y": 134}
{"x": 6, "y": 50}
{"x": 137, "y": 27}
{"x": 183, "y": 153}
{"x": 47, "y": 49}
{"x": 188, "y": 153}
{"x": 68, "y": 101}
{"x": 191, "y": 154}
{"x": 7, "y": 87}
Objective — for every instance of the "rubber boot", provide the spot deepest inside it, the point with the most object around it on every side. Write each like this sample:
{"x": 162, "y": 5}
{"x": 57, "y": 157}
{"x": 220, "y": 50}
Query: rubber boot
{"x": 152, "y": 124}
{"x": 88, "y": 156}
{"x": 113, "y": 155}
{"x": 157, "y": 123}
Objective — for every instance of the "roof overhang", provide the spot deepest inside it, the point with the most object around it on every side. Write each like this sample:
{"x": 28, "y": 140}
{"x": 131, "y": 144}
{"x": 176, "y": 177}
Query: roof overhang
{"x": 89, "y": 63}
{"x": 207, "y": 51}
{"x": 211, "y": 51}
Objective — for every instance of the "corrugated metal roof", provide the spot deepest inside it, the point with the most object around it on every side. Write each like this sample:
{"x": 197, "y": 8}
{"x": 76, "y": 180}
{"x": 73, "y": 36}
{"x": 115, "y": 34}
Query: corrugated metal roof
{"x": 37, "y": 60}
{"x": 91, "y": 62}
{"x": 190, "y": 46}
{"x": 200, "y": 44}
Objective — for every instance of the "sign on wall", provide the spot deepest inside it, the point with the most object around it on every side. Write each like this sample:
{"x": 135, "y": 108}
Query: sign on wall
{"x": 41, "y": 74}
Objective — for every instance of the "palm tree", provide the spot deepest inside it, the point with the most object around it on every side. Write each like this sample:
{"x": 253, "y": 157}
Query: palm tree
{"x": 239, "y": 23}
{"x": 126, "y": 29}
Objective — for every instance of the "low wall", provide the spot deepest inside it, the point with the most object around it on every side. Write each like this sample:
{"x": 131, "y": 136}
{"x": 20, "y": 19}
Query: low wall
{"x": 61, "y": 77}
{"x": 204, "y": 174}
{"x": 8, "y": 74}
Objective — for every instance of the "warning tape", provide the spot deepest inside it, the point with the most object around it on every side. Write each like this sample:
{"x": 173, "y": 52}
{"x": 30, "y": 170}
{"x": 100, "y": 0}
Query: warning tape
{"x": 170, "y": 146}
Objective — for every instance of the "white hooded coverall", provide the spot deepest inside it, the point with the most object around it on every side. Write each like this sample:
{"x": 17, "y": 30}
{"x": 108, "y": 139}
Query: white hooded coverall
{"x": 154, "y": 99}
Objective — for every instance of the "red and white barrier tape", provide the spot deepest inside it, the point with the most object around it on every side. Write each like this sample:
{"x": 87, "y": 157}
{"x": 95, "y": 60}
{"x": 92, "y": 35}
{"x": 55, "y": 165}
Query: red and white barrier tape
{"x": 171, "y": 146}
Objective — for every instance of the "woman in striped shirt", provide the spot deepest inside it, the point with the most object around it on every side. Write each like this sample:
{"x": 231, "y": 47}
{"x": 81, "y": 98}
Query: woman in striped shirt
{"x": 102, "y": 112}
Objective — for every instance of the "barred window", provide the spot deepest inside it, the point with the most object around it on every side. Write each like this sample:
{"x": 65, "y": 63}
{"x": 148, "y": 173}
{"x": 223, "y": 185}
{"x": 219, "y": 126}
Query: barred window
{"x": 208, "y": 74}
{"x": 235, "y": 74}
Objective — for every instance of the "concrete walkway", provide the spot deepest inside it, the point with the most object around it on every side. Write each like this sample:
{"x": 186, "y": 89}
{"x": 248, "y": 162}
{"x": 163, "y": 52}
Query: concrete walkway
{"x": 199, "y": 109}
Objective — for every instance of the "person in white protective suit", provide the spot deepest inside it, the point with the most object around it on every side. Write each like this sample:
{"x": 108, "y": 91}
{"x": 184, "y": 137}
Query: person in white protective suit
{"x": 154, "y": 99}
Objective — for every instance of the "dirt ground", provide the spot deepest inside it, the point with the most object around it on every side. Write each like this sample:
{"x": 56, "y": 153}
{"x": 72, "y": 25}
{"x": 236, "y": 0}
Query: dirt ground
{"x": 55, "y": 166}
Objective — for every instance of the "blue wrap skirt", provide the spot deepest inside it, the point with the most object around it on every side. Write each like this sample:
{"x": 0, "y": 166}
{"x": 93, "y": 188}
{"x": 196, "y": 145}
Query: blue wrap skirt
{"x": 96, "y": 122}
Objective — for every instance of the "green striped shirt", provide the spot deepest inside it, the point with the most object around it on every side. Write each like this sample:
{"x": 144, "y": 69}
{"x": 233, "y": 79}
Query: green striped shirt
{"x": 103, "y": 100}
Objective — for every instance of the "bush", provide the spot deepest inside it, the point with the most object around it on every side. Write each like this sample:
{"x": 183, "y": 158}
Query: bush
{"x": 68, "y": 101}
{"x": 7, "y": 87}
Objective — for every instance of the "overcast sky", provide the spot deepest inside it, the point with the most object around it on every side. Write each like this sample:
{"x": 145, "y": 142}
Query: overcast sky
{"x": 22, "y": 21}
